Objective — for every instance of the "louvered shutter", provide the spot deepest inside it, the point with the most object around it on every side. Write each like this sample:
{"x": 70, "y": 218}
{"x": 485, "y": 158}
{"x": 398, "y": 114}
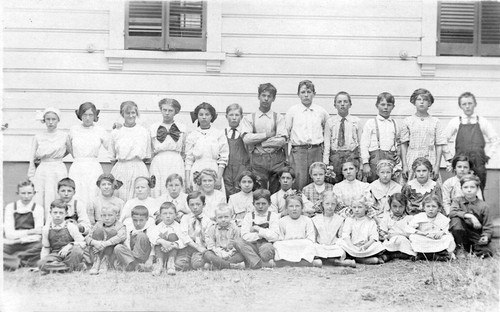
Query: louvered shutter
{"x": 457, "y": 28}
{"x": 145, "y": 25}
{"x": 490, "y": 29}
{"x": 186, "y": 26}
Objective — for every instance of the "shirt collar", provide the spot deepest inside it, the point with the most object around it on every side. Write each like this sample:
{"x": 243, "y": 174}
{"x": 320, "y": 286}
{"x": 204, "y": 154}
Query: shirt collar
{"x": 472, "y": 117}
{"x": 237, "y": 129}
{"x": 269, "y": 114}
{"x": 384, "y": 119}
{"x": 465, "y": 201}
{"x": 310, "y": 108}
{"x": 60, "y": 226}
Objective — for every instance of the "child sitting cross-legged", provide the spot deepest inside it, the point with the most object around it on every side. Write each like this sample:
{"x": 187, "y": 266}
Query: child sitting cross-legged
{"x": 103, "y": 238}
{"x": 259, "y": 229}
{"x": 327, "y": 227}
{"x": 134, "y": 253}
{"x": 278, "y": 203}
{"x": 220, "y": 238}
{"x": 315, "y": 190}
{"x": 62, "y": 242}
{"x": 166, "y": 238}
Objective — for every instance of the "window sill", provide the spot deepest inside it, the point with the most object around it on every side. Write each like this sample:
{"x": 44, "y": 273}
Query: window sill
{"x": 116, "y": 57}
{"x": 429, "y": 63}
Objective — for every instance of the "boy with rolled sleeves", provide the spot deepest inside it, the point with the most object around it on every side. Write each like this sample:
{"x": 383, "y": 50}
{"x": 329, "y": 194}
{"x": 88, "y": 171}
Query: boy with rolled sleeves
{"x": 265, "y": 135}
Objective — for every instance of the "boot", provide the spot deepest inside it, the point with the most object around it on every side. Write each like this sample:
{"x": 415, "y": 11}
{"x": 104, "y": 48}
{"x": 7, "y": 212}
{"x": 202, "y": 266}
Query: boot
{"x": 95, "y": 267}
{"x": 171, "y": 266}
{"x": 104, "y": 265}
{"x": 158, "y": 267}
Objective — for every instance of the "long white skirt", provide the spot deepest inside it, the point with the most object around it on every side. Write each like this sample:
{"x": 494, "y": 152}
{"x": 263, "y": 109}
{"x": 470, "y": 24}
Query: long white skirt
{"x": 127, "y": 172}
{"x": 47, "y": 175}
{"x": 399, "y": 243}
{"x": 356, "y": 252}
{"x": 425, "y": 244}
{"x": 294, "y": 250}
{"x": 85, "y": 172}
{"x": 164, "y": 164}
{"x": 206, "y": 163}
{"x": 329, "y": 251}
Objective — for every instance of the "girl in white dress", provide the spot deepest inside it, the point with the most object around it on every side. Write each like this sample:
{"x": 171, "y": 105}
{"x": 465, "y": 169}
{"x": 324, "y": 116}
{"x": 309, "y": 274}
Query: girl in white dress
{"x": 142, "y": 186}
{"x": 328, "y": 227}
{"x": 382, "y": 188}
{"x": 360, "y": 238}
{"x": 206, "y": 147}
{"x": 394, "y": 229}
{"x": 295, "y": 246}
{"x": 430, "y": 237}
{"x": 167, "y": 140}
{"x": 48, "y": 150}
{"x": 350, "y": 188}
{"x": 213, "y": 198}
{"x": 242, "y": 202}
{"x": 130, "y": 146}
{"x": 86, "y": 141}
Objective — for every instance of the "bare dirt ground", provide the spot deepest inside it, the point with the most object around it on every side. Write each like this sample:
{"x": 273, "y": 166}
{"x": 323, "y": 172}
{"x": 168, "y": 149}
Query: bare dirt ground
{"x": 468, "y": 285}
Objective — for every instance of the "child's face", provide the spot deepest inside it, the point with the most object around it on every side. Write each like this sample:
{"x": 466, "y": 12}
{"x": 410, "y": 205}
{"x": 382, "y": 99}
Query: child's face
{"x": 66, "y": 193}
{"x": 342, "y": 105}
{"x": 422, "y": 174}
{"x": 108, "y": 216}
{"x": 204, "y": 118}
{"x": 422, "y": 104}
{"x": 397, "y": 209}
{"x": 470, "y": 190}
{"x": 462, "y": 168}
{"x": 196, "y": 206}
{"x": 26, "y": 194}
{"x": 174, "y": 188}
{"x": 223, "y": 218}
{"x": 306, "y": 95}
{"x": 88, "y": 118}
{"x": 265, "y": 99}
{"x": 261, "y": 205}
{"x": 129, "y": 116}
{"x": 139, "y": 221}
{"x": 106, "y": 188}
{"x": 431, "y": 209}
{"x": 384, "y": 108}
{"x": 58, "y": 214}
{"x": 329, "y": 205}
{"x": 51, "y": 120}
{"x": 168, "y": 113}
{"x": 207, "y": 184}
{"x": 234, "y": 118}
{"x": 468, "y": 105}
{"x": 246, "y": 184}
{"x": 141, "y": 189}
{"x": 318, "y": 176}
{"x": 358, "y": 209}
{"x": 385, "y": 174}
{"x": 294, "y": 208}
{"x": 168, "y": 216}
{"x": 286, "y": 181}
{"x": 349, "y": 171}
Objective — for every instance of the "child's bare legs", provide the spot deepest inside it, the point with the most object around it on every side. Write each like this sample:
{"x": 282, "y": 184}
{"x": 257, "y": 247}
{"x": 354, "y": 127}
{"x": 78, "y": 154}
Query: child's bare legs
{"x": 301, "y": 263}
{"x": 337, "y": 262}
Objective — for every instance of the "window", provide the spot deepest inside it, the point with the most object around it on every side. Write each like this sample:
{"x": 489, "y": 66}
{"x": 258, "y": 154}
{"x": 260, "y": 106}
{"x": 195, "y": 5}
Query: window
{"x": 166, "y": 25}
{"x": 469, "y": 28}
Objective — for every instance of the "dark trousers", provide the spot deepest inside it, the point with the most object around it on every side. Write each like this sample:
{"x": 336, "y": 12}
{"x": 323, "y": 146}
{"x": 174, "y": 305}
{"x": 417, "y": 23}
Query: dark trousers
{"x": 21, "y": 255}
{"x": 255, "y": 253}
{"x": 99, "y": 234}
{"x": 466, "y": 236}
{"x": 267, "y": 167}
{"x": 337, "y": 158}
{"x": 220, "y": 263}
{"x": 231, "y": 173}
{"x": 301, "y": 159}
{"x": 162, "y": 255}
{"x": 187, "y": 258}
{"x": 55, "y": 262}
{"x": 375, "y": 157}
{"x": 141, "y": 248}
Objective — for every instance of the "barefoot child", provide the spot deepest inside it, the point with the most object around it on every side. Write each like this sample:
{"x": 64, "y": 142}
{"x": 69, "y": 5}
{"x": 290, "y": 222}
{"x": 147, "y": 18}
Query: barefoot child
{"x": 328, "y": 227}
{"x": 259, "y": 230}
{"x": 471, "y": 223}
{"x": 393, "y": 229}
{"x": 134, "y": 253}
{"x": 360, "y": 237}
{"x": 103, "y": 238}
{"x": 23, "y": 222}
{"x": 142, "y": 186}
{"x": 77, "y": 209}
{"x": 278, "y": 202}
{"x": 220, "y": 238}
{"x": 206, "y": 182}
{"x": 314, "y": 191}
{"x": 430, "y": 237}
{"x": 382, "y": 188}
{"x": 242, "y": 203}
{"x": 167, "y": 239}
{"x": 295, "y": 246}
{"x": 175, "y": 195}
{"x": 62, "y": 242}
{"x": 107, "y": 186}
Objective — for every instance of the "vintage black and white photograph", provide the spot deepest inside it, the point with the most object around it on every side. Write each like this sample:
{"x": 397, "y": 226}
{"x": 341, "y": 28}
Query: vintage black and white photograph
{"x": 253, "y": 155}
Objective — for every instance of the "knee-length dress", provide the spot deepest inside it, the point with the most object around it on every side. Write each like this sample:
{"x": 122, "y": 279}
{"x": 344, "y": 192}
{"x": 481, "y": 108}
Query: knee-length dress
{"x": 206, "y": 149}
{"x": 358, "y": 231}
{"x": 86, "y": 169}
{"x": 423, "y": 244}
{"x": 49, "y": 148}
{"x": 399, "y": 230}
{"x": 129, "y": 146}
{"x": 327, "y": 236}
{"x": 296, "y": 240}
{"x": 416, "y": 192}
{"x": 166, "y": 149}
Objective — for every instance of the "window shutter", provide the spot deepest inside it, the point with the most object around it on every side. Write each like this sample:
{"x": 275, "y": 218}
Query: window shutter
{"x": 490, "y": 29}
{"x": 458, "y": 28}
{"x": 186, "y": 29}
{"x": 144, "y": 25}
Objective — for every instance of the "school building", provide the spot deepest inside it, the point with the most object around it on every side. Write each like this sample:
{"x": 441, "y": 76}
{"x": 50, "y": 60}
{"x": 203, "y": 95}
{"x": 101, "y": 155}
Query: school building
{"x": 65, "y": 52}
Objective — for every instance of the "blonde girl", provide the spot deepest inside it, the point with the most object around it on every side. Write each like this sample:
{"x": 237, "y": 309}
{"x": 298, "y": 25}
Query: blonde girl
{"x": 382, "y": 188}
{"x": 205, "y": 180}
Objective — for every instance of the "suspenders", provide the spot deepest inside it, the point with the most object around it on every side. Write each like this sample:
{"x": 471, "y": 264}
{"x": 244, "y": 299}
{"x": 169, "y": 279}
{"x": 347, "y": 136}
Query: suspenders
{"x": 275, "y": 117}
{"x": 378, "y": 133}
